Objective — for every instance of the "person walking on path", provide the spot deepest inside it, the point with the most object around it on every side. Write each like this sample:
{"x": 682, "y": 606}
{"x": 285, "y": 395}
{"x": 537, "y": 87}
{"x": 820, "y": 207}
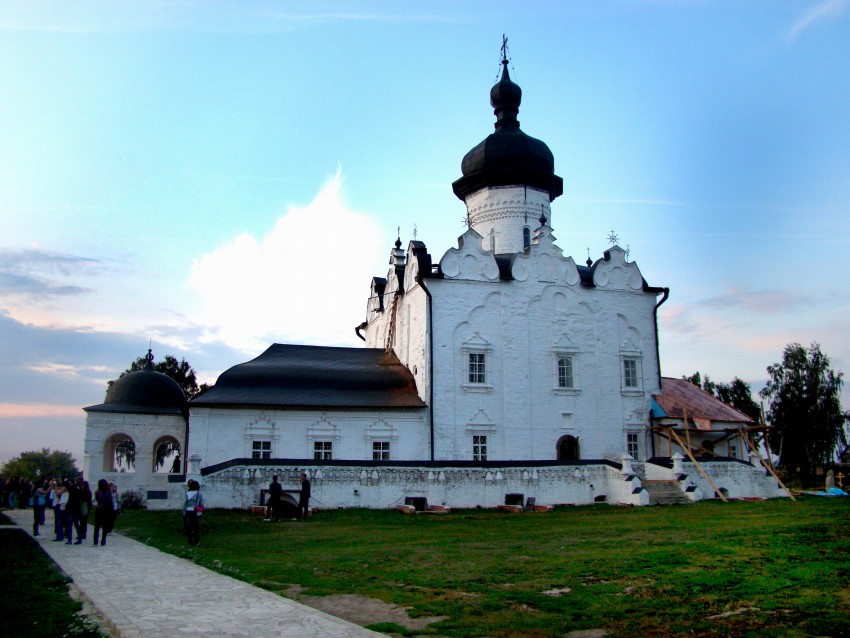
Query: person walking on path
{"x": 85, "y": 508}
{"x": 65, "y": 522}
{"x": 275, "y": 491}
{"x": 193, "y": 508}
{"x": 39, "y": 503}
{"x": 53, "y": 502}
{"x": 103, "y": 511}
{"x": 304, "y": 500}
{"x": 75, "y": 502}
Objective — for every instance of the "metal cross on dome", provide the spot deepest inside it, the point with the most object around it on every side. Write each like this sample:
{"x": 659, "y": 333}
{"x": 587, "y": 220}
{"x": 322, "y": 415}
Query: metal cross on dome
{"x": 613, "y": 238}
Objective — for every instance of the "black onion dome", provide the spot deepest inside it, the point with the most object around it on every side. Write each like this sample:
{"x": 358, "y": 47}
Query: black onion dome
{"x": 145, "y": 391}
{"x": 508, "y": 156}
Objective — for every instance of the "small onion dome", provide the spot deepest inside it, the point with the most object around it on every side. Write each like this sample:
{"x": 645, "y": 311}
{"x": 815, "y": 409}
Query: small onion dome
{"x": 508, "y": 156}
{"x": 144, "y": 392}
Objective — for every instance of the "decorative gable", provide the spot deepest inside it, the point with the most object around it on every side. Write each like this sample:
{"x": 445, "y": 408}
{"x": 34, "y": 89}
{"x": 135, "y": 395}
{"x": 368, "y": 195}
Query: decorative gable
{"x": 544, "y": 261}
{"x": 614, "y": 272}
{"x": 469, "y": 260}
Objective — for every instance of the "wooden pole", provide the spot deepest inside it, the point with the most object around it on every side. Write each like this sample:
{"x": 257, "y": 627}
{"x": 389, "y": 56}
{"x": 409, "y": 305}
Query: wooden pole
{"x": 700, "y": 468}
{"x": 768, "y": 468}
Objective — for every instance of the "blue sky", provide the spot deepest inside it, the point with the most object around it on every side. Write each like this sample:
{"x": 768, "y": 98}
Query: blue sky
{"x": 218, "y": 176}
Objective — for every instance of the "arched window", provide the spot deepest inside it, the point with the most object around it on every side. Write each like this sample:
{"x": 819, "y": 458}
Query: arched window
{"x": 119, "y": 454}
{"x": 166, "y": 456}
{"x": 568, "y": 449}
{"x": 526, "y": 237}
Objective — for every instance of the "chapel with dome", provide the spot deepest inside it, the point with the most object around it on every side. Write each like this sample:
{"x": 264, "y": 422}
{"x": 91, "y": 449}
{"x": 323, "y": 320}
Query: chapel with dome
{"x": 502, "y": 370}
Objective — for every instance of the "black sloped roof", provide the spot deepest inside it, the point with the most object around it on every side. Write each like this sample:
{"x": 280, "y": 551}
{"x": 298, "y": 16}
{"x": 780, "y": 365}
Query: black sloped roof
{"x": 314, "y": 377}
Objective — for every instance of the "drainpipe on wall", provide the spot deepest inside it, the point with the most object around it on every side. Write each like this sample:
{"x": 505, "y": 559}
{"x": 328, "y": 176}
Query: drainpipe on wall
{"x": 420, "y": 279}
{"x": 666, "y": 292}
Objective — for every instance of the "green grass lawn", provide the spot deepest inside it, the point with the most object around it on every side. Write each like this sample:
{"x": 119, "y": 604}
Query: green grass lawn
{"x": 649, "y": 571}
{"x": 34, "y": 600}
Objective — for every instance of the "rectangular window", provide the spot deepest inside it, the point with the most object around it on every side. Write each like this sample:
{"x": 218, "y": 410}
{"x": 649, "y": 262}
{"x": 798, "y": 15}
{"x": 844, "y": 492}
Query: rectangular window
{"x": 479, "y": 447}
{"x": 477, "y": 368}
{"x": 565, "y": 372}
{"x": 261, "y": 449}
{"x": 323, "y": 450}
{"x": 380, "y": 450}
{"x": 630, "y": 373}
{"x": 632, "y": 445}
{"x": 733, "y": 450}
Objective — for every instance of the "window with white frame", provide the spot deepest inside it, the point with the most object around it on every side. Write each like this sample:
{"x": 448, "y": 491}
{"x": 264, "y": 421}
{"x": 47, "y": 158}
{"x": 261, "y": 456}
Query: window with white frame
{"x": 479, "y": 447}
{"x": 566, "y": 377}
{"x": 733, "y": 450}
{"x": 261, "y": 449}
{"x": 380, "y": 450}
{"x": 323, "y": 450}
{"x": 633, "y": 445}
{"x": 631, "y": 380}
{"x": 477, "y": 367}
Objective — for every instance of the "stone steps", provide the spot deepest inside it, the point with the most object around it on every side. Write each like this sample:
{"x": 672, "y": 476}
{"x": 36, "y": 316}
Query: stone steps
{"x": 665, "y": 493}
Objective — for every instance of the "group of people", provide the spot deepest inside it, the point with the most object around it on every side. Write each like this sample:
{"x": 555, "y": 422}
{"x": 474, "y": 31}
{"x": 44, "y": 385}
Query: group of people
{"x": 273, "y": 510}
{"x": 72, "y": 504}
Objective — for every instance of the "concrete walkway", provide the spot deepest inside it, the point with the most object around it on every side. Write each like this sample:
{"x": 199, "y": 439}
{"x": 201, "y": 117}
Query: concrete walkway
{"x": 143, "y": 592}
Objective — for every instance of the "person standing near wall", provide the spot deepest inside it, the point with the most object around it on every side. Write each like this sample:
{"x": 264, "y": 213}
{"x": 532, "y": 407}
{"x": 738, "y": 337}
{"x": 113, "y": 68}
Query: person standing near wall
{"x": 275, "y": 492}
{"x": 304, "y": 500}
{"x": 193, "y": 508}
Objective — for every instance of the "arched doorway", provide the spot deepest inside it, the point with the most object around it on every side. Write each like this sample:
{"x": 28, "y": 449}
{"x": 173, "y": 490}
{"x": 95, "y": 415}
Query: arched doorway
{"x": 166, "y": 456}
{"x": 119, "y": 454}
{"x": 568, "y": 449}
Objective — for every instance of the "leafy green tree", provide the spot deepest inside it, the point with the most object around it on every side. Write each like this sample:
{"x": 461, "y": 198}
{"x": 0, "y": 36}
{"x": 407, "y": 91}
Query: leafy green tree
{"x": 706, "y": 384}
{"x": 737, "y": 393}
{"x": 37, "y": 464}
{"x": 180, "y": 371}
{"x": 805, "y": 409}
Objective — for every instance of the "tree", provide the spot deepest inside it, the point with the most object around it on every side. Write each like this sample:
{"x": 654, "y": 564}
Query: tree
{"x": 38, "y": 464}
{"x": 737, "y": 394}
{"x": 805, "y": 409}
{"x": 180, "y": 371}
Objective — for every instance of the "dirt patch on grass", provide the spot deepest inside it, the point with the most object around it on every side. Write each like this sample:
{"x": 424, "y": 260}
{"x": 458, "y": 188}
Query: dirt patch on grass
{"x": 361, "y": 610}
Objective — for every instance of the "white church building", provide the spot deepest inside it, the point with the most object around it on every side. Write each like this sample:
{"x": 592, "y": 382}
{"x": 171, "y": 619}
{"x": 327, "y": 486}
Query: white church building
{"x": 501, "y": 372}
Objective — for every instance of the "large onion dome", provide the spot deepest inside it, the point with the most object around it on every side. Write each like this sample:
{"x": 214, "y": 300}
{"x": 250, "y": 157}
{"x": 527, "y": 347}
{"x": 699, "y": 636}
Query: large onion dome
{"x": 508, "y": 156}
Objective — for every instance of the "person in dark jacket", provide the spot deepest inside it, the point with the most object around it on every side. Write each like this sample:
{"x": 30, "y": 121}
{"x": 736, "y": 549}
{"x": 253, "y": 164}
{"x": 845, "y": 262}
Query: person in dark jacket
{"x": 104, "y": 512}
{"x": 275, "y": 492}
{"x": 304, "y": 500}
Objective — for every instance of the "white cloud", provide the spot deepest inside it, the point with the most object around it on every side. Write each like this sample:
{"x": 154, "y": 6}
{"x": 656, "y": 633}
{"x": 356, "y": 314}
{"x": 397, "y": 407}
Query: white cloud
{"x": 306, "y": 280}
{"x": 829, "y": 9}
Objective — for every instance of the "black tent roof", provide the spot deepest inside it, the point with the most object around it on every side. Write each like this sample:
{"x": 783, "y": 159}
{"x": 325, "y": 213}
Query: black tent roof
{"x": 314, "y": 377}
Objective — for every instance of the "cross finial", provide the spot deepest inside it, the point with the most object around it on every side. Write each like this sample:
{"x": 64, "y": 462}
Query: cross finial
{"x": 415, "y": 231}
{"x": 613, "y": 238}
{"x": 504, "y": 48}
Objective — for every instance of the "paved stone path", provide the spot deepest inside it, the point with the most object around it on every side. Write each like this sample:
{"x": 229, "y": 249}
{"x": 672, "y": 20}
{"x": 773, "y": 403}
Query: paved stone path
{"x": 143, "y": 592}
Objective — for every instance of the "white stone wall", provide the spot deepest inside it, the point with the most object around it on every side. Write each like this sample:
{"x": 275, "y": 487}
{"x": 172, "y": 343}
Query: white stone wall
{"x": 219, "y": 435}
{"x": 736, "y": 480}
{"x": 145, "y": 430}
{"x": 520, "y": 326}
{"x": 387, "y": 486}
